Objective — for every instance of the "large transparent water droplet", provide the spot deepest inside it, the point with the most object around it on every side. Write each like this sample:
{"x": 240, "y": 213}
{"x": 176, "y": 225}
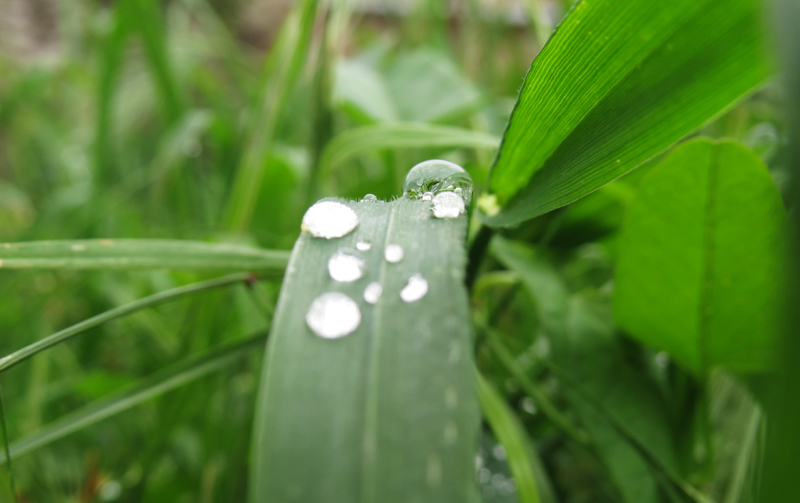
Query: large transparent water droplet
{"x": 329, "y": 219}
{"x": 437, "y": 176}
{"x": 345, "y": 266}
{"x": 369, "y": 198}
{"x": 447, "y": 205}
{"x": 363, "y": 245}
{"x": 333, "y": 315}
{"x": 393, "y": 253}
{"x": 415, "y": 289}
{"x": 373, "y": 292}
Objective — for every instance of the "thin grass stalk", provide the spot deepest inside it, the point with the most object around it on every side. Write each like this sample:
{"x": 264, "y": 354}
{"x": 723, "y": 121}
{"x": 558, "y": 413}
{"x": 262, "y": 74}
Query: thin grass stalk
{"x": 124, "y": 310}
{"x": 6, "y": 444}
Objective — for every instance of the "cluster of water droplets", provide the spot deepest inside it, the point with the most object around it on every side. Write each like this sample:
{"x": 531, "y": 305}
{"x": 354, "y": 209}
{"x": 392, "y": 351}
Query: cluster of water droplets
{"x": 334, "y": 314}
{"x": 444, "y": 184}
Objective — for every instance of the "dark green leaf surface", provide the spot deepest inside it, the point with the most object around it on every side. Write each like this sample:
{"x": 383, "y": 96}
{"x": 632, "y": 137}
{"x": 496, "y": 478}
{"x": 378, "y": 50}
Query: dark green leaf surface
{"x": 389, "y": 412}
{"x": 702, "y": 258}
{"x": 138, "y": 254}
{"x": 615, "y": 85}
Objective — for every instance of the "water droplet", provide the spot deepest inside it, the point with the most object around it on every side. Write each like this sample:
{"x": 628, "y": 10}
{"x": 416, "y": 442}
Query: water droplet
{"x": 528, "y": 405}
{"x": 427, "y": 196}
{"x": 333, "y": 315}
{"x": 373, "y": 292}
{"x": 78, "y": 247}
{"x": 451, "y": 398}
{"x": 458, "y": 190}
{"x": 499, "y": 452}
{"x": 393, "y": 253}
{"x": 329, "y": 219}
{"x": 485, "y": 476}
{"x": 433, "y": 472}
{"x": 363, "y": 245}
{"x": 447, "y": 205}
{"x": 345, "y": 266}
{"x": 437, "y": 176}
{"x": 369, "y": 198}
{"x": 415, "y": 289}
{"x": 450, "y": 433}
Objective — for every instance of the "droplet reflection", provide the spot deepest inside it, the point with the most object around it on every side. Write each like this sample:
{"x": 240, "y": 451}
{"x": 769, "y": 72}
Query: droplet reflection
{"x": 333, "y": 315}
{"x": 329, "y": 219}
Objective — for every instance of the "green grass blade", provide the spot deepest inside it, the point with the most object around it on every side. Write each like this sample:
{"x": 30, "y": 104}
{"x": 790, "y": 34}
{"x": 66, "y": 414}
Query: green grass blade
{"x": 360, "y": 140}
{"x": 124, "y": 254}
{"x": 532, "y": 390}
{"x": 389, "y": 412}
{"x": 702, "y": 257}
{"x": 509, "y": 433}
{"x": 148, "y": 21}
{"x": 617, "y": 83}
{"x": 7, "y": 447}
{"x": 284, "y": 63}
{"x": 159, "y": 383}
{"x": 124, "y": 310}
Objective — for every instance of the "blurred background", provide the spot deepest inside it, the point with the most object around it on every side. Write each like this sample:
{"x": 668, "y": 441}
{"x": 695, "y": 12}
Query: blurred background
{"x": 147, "y": 119}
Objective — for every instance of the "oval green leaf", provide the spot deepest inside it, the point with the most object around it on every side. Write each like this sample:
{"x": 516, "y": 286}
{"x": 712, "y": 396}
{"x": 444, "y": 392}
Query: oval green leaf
{"x": 619, "y": 82}
{"x": 702, "y": 258}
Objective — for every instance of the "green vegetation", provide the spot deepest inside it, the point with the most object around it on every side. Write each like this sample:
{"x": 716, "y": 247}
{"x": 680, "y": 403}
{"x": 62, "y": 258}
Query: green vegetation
{"x": 595, "y": 311}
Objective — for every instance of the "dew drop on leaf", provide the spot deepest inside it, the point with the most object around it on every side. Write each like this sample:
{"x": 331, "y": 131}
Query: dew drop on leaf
{"x": 415, "y": 289}
{"x": 363, "y": 245}
{"x": 329, "y": 219}
{"x": 369, "y": 198}
{"x": 345, "y": 266}
{"x": 333, "y": 315}
{"x": 447, "y": 205}
{"x": 393, "y": 253}
{"x": 373, "y": 292}
{"x": 436, "y": 176}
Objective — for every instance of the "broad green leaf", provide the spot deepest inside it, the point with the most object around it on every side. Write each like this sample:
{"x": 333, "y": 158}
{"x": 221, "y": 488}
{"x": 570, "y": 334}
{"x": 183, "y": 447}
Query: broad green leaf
{"x": 362, "y": 93}
{"x": 138, "y": 254}
{"x": 159, "y": 298}
{"x": 511, "y": 435}
{"x": 364, "y": 139}
{"x": 389, "y": 412}
{"x": 617, "y": 83}
{"x": 702, "y": 259}
{"x": 159, "y": 383}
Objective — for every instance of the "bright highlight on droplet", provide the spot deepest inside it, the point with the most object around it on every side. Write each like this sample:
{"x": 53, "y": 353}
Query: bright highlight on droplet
{"x": 363, "y": 245}
{"x": 345, "y": 266}
{"x": 415, "y": 289}
{"x": 448, "y": 205}
{"x": 333, "y": 315}
{"x": 329, "y": 219}
{"x": 393, "y": 253}
{"x": 373, "y": 292}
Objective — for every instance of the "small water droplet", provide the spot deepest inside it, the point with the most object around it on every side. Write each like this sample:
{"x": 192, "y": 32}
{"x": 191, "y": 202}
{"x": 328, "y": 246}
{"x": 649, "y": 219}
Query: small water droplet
{"x": 369, "y": 198}
{"x": 427, "y": 196}
{"x": 393, "y": 253}
{"x": 451, "y": 398}
{"x": 345, "y": 266}
{"x": 415, "y": 289}
{"x": 433, "y": 471}
{"x": 485, "y": 476}
{"x": 333, "y": 315}
{"x": 363, "y": 245}
{"x": 450, "y": 433}
{"x": 528, "y": 405}
{"x": 458, "y": 190}
{"x": 373, "y": 292}
{"x": 448, "y": 205}
{"x": 329, "y": 219}
{"x": 78, "y": 247}
{"x": 499, "y": 452}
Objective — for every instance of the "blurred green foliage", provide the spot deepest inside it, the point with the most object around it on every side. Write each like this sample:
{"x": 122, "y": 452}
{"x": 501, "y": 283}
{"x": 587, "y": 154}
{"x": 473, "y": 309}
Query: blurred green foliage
{"x": 132, "y": 119}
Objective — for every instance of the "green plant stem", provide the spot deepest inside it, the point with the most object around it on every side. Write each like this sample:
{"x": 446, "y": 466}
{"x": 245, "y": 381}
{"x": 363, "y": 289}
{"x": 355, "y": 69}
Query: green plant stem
{"x": 7, "y": 448}
{"x": 477, "y": 250}
{"x": 159, "y": 298}
{"x": 531, "y": 389}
